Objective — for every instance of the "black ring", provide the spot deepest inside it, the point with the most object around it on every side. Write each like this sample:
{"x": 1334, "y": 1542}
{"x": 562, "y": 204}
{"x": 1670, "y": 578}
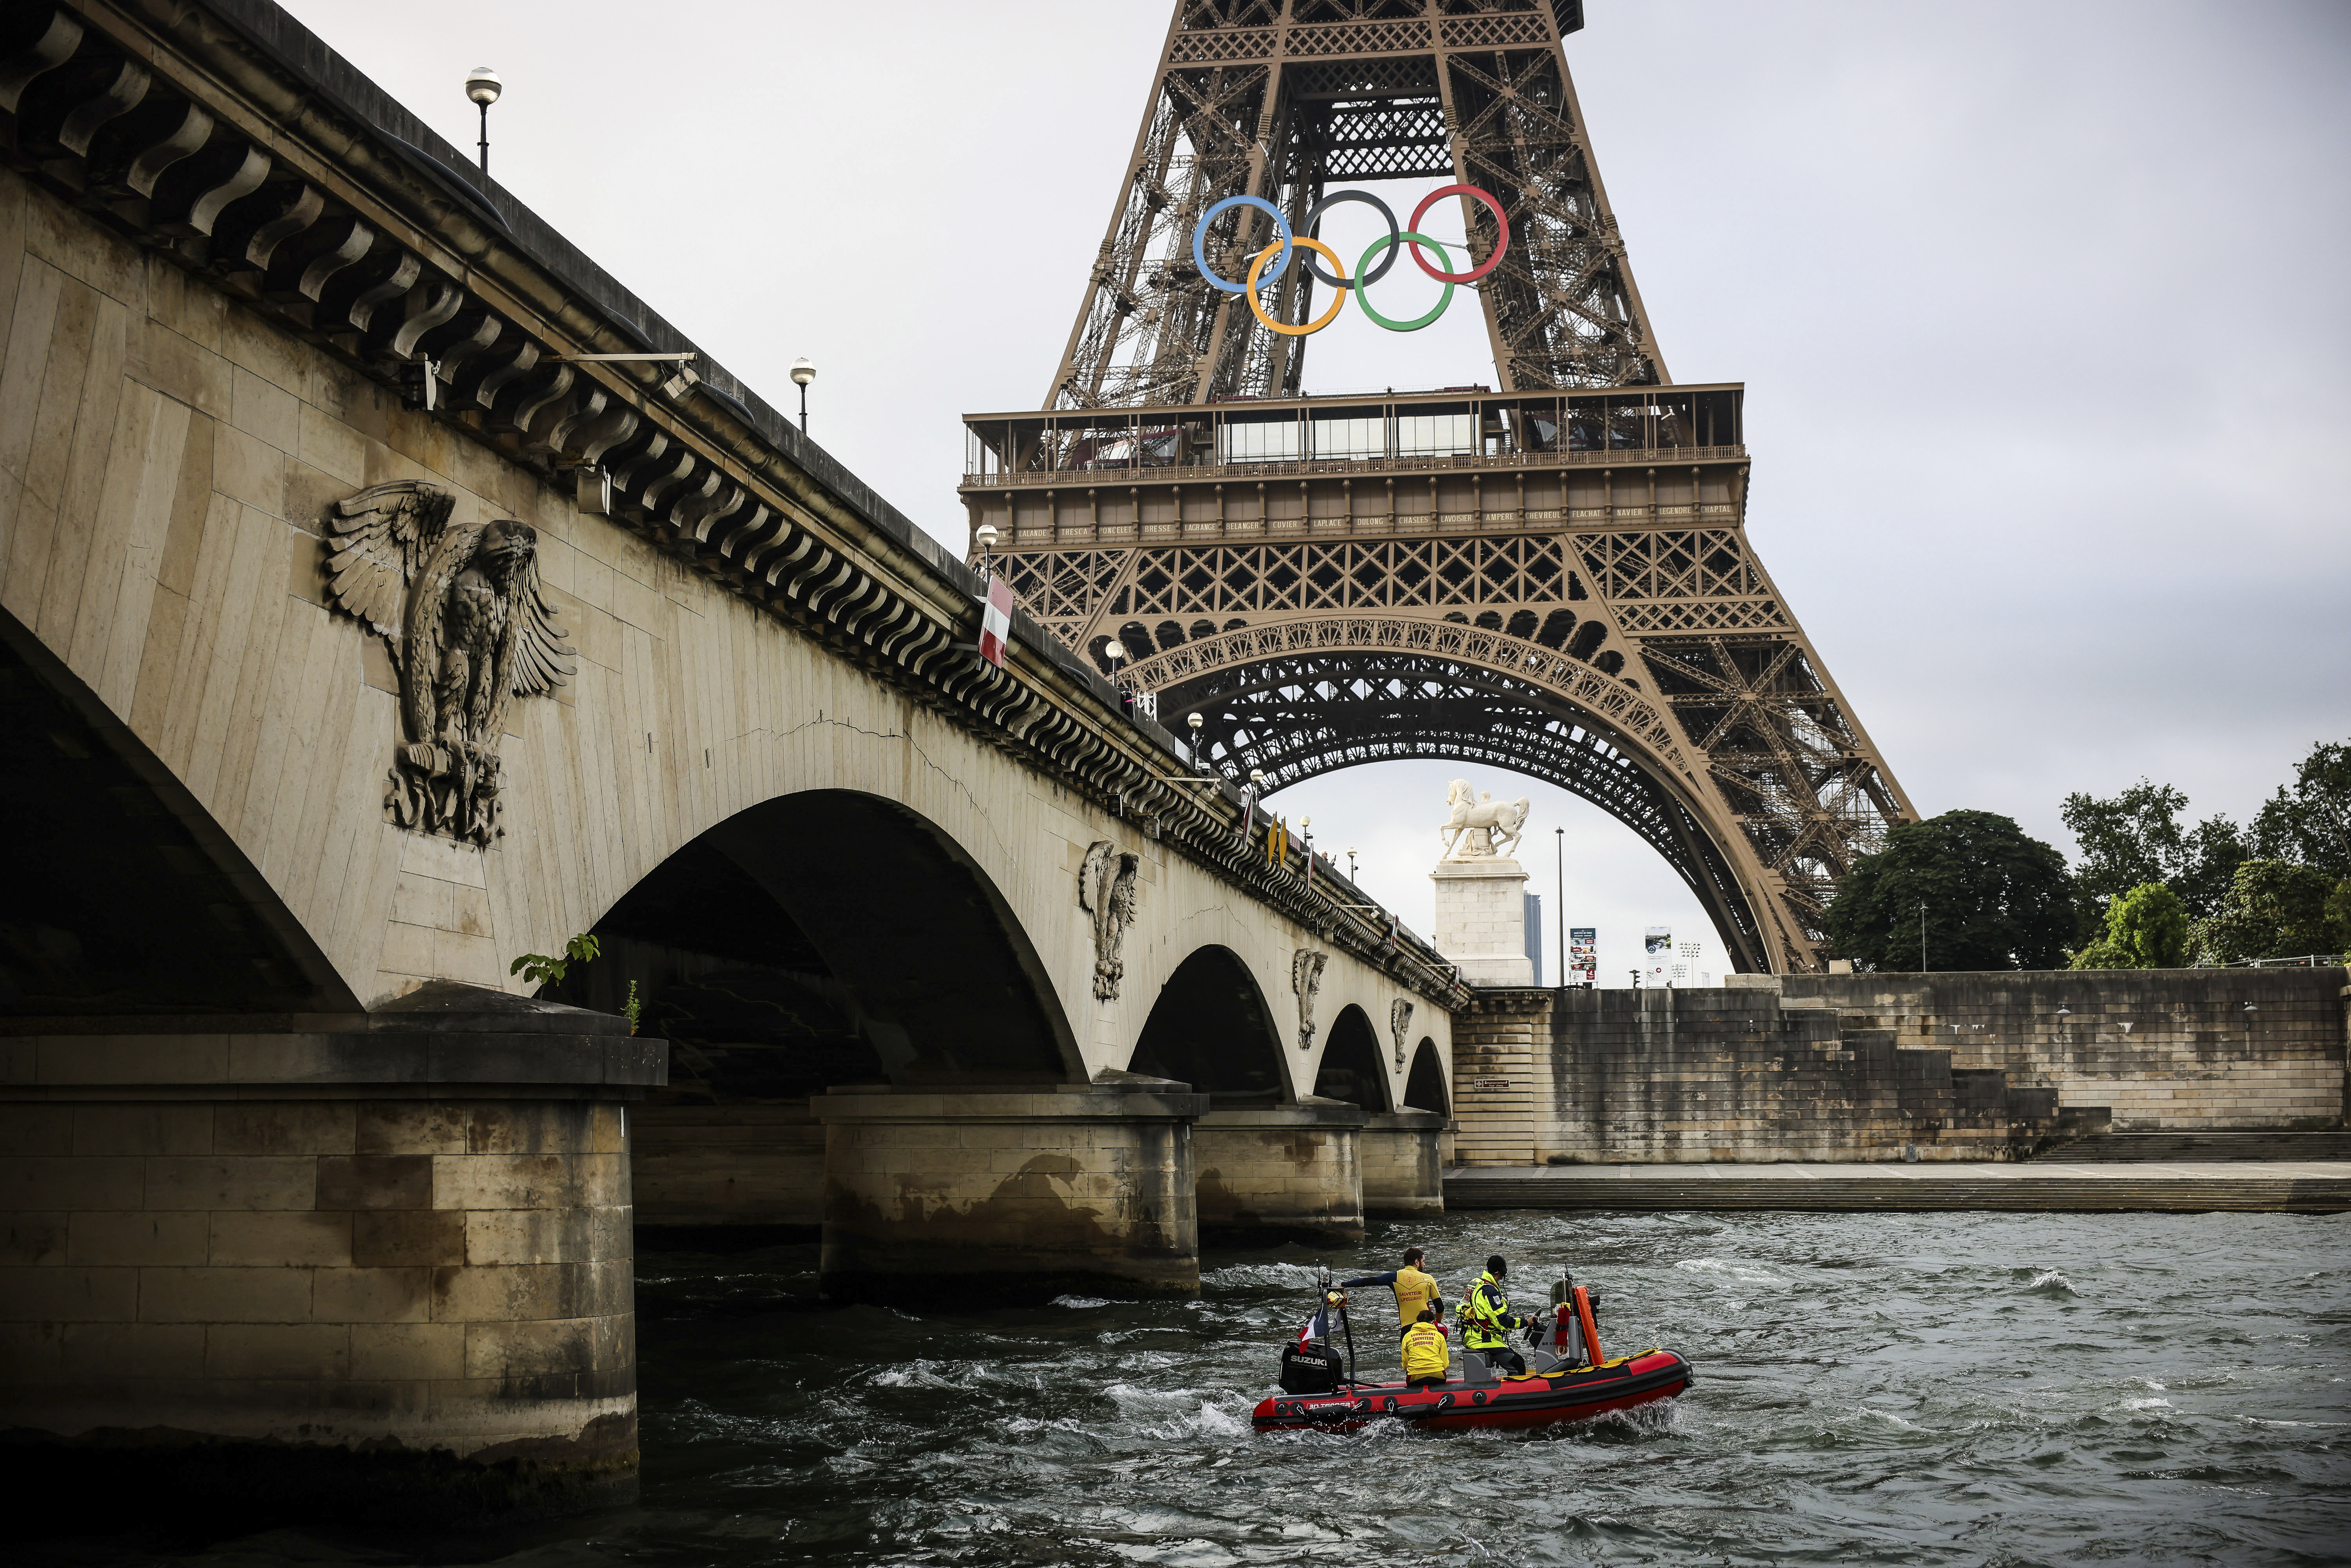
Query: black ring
{"x": 1314, "y": 264}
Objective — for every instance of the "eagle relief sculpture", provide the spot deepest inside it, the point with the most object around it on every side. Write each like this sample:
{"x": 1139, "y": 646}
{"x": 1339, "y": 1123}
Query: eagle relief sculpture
{"x": 469, "y": 631}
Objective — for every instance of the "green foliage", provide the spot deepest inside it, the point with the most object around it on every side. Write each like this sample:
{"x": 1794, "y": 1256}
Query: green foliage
{"x": 538, "y": 969}
{"x": 630, "y": 1006}
{"x": 2275, "y": 909}
{"x": 2146, "y": 928}
{"x": 2135, "y": 838}
{"x": 2310, "y": 821}
{"x": 2338, "y": 915}
{"x": 1995, "y": 897}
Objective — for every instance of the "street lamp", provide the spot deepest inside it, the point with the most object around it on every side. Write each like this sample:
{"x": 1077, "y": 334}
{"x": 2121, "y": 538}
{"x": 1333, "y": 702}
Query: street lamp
{"x": 1559, "y": 916}
{"x": 1114, "y": 649}
{"x": 1195, "y": 721}
{"x": 484, "y": 86}
{"x": 987, "y": 536}
{"x": 1351, "y": 863}
{"x": 803, "y": 372}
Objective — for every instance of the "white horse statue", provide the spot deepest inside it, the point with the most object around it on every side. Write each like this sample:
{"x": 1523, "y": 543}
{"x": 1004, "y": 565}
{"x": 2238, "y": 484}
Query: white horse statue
{"x": 1475, "y": 816}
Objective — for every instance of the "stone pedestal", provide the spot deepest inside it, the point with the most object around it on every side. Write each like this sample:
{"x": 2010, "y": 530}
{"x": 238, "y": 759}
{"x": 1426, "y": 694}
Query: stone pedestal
{"x": 1482, "y": 920}
{"x": 969, "y": 1197}
{"x": 738, "y": 1168}
{"x": 1403, "y": 1175}
{"x": 1284, "y": 1172}
{"x": 359, "y": 1267}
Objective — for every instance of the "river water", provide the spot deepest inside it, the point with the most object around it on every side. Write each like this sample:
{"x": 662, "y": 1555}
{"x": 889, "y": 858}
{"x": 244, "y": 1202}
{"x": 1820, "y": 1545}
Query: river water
{"x": 1970, "y": 1388}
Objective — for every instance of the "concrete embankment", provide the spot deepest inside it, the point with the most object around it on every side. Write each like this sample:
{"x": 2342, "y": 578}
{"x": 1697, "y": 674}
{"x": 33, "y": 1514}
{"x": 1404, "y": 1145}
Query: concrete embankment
{"x": 2315, "y": 1186}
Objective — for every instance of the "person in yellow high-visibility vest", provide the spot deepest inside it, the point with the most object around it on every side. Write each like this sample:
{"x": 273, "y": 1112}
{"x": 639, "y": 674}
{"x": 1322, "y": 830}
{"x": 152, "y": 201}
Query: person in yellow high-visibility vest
{"x": 1414, "y": 1286}
{"x": 1427, "y": 1357}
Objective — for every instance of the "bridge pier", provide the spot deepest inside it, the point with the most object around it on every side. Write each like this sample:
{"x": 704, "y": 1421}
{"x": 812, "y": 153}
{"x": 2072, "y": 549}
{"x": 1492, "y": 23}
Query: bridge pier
{"x": 970, "y": 1197}
{"x": 353, "y": 1266}
{"x": 1404, "y": 1170}
{"x": 1281, "y": 1173}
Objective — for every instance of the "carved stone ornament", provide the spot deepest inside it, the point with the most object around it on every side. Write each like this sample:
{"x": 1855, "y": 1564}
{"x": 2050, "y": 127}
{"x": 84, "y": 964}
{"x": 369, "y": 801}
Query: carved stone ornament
{"x": 1306, "y": 979}
{"x": 469, "y": 631}
{"x": 1476, "y": 829}
{"x": 1106, "y": 891}
{"x": 1399, "y": 1025}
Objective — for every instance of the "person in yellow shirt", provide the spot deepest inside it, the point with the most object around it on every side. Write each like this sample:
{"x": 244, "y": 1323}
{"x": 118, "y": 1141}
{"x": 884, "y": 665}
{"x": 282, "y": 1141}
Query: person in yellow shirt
{"x": 1414, "y": 1286}
{"x": 1426, "y": 1356}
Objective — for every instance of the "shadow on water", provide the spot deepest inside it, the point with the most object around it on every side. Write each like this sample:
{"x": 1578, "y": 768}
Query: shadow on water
{"x": 1871, "y": 1389}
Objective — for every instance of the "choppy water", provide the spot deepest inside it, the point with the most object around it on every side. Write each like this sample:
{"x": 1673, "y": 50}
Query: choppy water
{"x": 1935, "y": 1389}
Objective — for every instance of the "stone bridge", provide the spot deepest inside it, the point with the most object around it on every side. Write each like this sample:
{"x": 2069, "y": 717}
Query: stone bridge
{"x": 361, "y": 633}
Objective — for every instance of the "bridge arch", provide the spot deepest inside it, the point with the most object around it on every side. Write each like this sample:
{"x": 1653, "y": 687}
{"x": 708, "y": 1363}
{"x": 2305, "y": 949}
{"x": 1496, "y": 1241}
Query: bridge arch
{"x": 830, "y": 936}
{"x": 1351, "y": 1067}
{"x": 124, "y": 894}
{"x": 1424, "y": 1089}
{"x": 1299, "y": 699}
{"x": 1211, "y": 1026}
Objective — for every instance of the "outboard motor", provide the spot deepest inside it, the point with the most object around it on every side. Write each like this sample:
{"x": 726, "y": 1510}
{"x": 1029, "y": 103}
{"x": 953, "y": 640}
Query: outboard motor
{"x": 1313, "y": 1368}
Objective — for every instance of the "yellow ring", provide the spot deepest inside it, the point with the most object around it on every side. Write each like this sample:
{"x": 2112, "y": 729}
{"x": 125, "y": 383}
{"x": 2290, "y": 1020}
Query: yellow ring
{"x": 1338, "y": 296}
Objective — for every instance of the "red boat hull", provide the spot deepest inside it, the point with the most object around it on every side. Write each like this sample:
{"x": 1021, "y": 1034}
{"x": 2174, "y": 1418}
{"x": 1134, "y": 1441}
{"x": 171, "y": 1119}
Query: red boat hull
{"x": 1524, "y": 1402}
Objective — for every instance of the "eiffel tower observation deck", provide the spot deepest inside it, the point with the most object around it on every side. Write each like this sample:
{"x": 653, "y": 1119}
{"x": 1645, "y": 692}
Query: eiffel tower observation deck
{"x": 1551, "y": 571}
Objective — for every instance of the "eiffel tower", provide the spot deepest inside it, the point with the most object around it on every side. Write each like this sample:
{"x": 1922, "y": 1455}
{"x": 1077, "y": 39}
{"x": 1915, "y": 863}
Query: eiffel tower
{"x": 1551, "y": 574}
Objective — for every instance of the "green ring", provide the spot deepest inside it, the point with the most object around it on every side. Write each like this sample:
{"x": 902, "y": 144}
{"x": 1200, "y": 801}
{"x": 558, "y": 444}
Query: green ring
{"x": 1363, "y": 273}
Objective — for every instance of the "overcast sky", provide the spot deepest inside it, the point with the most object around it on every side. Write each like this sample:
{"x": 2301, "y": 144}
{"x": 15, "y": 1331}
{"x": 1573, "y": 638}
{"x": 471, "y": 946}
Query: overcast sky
{"x": 2041, "y": 308}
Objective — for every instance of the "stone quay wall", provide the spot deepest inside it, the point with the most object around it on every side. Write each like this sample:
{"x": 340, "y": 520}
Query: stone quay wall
{"x": 2160, "y": 1049}
{"x": 1872, "y": 1067}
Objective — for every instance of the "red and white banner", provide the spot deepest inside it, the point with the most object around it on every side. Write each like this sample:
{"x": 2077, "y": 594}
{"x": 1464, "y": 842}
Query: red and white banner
{"x": 996, "y": 621}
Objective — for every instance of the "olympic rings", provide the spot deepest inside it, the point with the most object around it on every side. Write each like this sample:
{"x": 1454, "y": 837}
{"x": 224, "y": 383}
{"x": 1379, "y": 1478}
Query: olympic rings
{"x": 1409, "y": 238}
{"x": 1500, "y": 245}
{"x": 1364, "y": 295}
{"x": 1338, "y": 295}
{"x": 1200, "y": 234}
{"x": 1314, "y": 213}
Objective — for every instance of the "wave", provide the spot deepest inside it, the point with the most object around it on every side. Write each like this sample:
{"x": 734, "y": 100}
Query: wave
{"x": 2050, "y": 1278}
{"x": 1732, "y": 1270}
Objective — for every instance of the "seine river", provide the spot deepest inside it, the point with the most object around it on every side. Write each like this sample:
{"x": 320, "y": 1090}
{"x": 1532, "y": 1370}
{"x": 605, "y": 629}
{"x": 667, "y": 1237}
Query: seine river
{"x": 1972, "y": 1389}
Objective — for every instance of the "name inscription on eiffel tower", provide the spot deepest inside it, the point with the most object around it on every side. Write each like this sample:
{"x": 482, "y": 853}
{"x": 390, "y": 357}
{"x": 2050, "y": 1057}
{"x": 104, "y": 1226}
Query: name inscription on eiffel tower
{"x": 1553, "y": 574}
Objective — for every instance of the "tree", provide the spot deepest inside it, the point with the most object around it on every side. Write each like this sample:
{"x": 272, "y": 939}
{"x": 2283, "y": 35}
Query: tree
{"x": 2135, "y": 839}
{"x": 2146, "y": 928}
{"x": 2275, "y": 909}
{"x": 1995, "y": 898}
{"x": 2310, "y": 823}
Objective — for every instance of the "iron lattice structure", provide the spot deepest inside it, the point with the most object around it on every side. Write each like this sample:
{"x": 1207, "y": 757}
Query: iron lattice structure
{"x": 1554, "y": 577}
{"x": 1282, "y": 99}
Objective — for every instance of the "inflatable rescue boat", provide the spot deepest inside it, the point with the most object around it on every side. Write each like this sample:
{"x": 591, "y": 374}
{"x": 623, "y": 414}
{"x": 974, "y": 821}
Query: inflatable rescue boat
{"x": 1569, "y": 1378}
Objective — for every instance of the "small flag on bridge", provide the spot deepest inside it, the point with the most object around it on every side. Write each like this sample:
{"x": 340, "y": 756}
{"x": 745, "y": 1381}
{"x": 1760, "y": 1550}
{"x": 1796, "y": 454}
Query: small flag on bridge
{"x": 996, "y": 621}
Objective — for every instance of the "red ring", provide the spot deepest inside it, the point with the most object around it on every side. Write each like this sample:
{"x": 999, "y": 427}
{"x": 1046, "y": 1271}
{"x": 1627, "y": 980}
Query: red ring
{"x": 1492, "y": 261}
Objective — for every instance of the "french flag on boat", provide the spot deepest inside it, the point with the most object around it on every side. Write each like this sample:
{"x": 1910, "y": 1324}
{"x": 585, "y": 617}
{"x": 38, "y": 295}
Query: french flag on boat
{"x": 996, "y": 621}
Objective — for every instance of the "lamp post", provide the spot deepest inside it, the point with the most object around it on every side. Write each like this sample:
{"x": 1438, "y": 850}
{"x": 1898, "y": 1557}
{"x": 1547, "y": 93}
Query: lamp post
{"x": 1351, "y": 863}
{"x": 1559, "y": 916}
{"x": 1195, "y": 721}
{"x": 803, "y": 372}
{"x": 1114, "y": 649}
{"x": 484, "y": 86}
{"x": 986, "y": 537}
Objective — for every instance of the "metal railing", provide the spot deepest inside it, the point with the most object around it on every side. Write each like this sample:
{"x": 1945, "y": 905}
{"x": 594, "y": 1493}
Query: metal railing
{"x": 1313, "y": 467}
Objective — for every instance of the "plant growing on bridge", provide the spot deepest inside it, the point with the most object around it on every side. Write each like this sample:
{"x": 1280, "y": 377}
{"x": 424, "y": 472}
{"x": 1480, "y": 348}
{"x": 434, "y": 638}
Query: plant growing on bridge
{"x": 2146, "y": 928}
{"x": 1995, "y": 898}
{"x": 539, "y": 969}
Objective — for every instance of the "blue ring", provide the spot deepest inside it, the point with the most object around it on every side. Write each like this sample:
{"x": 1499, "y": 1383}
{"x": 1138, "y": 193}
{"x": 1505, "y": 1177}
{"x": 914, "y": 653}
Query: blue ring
{"x": 1200, "y": 234}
